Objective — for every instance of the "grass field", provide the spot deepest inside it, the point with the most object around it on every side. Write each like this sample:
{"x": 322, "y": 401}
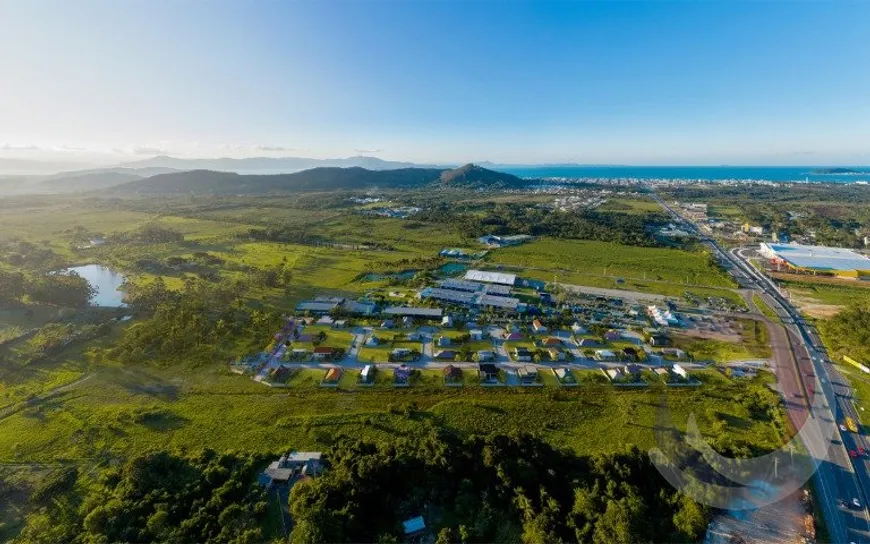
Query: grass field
{"x": 49, "y": 219}
{"x": 404, "y": 234}
{"x": 729, "y": 212}
{"x": 630, "y": 205}
{"x": 120, "y": 411}
{"x": 662, "y": 271}
{"x": 753, "y": 345}
{"x": 861, "y": 387}
{"x": 335, "y": 338}
{"x": 840, "y": 295}
{"x": 609, "y": 259}
{"x": 766, "y": 310}
{"x": 627, "y": 284}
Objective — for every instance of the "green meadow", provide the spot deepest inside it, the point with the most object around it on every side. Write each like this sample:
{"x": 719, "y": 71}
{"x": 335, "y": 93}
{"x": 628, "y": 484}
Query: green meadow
{"x": 118, "y": 412}
{"x": 608, "y": 259}
{"x": 840, "y": 295}
{"x": 630, "y": 205}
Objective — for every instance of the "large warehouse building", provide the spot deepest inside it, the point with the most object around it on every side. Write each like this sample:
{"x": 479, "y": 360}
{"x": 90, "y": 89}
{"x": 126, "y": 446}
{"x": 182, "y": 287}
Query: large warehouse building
{"x": 835, "y": 261}
{"x": 491, "y": 277}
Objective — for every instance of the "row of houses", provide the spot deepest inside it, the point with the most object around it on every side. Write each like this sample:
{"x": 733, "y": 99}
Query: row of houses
{"x": 631, "y": 372}
{"x": 320, "y": 353}
{"x": 525, "y": 355}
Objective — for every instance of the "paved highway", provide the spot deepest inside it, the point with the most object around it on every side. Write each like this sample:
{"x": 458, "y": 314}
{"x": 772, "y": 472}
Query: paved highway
{"x": 840, "y": 479}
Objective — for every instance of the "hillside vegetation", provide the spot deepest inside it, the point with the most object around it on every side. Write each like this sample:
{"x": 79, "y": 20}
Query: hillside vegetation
{"x": 315, "y": 179}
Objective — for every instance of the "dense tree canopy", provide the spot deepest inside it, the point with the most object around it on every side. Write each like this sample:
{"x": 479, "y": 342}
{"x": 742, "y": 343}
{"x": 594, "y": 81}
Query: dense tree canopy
{"x": 492, "y": 488}
{"x": 163, "y": 497}
{"x": 68, "y": 289}
{"x": 191, "y": 325}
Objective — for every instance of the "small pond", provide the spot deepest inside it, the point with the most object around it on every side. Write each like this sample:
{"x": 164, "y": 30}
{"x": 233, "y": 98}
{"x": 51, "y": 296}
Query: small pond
{"x": 105, "y": 281}
{"x": 450, "y": 269}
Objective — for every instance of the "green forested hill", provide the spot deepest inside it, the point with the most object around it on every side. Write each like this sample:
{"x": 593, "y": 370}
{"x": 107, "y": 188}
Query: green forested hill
{"x": 316, "y": 179}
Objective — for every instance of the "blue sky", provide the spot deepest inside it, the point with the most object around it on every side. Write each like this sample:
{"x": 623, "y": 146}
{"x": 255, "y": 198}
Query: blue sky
{"x": 657, "y": 82}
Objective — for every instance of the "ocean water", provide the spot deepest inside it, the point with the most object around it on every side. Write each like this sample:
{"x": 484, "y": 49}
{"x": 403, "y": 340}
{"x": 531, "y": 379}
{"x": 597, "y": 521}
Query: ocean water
{"x": 709, "y": 173}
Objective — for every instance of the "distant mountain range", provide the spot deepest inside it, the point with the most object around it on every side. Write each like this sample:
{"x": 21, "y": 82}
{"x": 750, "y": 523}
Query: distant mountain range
{"x": 252, "y": 165}
{"x": 169, "y": 175}
{"x": 270, "y": 165}
{"x": 22, "y": 176}
{"x": 29, "y": 167}
{"x": 315, "y": 179}
{"x": 76, "y": 181}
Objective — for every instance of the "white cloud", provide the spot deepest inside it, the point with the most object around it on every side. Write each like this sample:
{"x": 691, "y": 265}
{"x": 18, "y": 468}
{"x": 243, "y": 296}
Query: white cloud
{"x": 369, "y": 150}
{"x": 274, "y": 148}
{"x": 72, "y": 148}
{"x": 18, "y": 147}
{"x": 148, "y": 150}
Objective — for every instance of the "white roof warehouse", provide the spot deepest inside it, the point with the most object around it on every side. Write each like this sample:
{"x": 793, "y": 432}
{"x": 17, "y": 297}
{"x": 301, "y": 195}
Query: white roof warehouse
{"x": 491, "y": 277}
{"x": 818, "y": 259}
{"x": 413, "y": 311}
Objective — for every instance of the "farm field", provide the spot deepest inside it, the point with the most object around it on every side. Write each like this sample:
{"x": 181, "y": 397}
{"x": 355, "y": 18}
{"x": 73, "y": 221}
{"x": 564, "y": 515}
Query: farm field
{"x": 615, "y": 260}
{"x": 630, "y": 205}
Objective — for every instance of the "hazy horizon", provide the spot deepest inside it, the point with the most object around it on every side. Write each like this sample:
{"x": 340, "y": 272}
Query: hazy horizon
{"x": 24, "y": 167}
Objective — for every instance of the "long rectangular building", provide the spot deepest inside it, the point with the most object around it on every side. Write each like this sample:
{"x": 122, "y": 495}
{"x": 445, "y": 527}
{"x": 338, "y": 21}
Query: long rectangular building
{"x": 496, "y": 289}
{"x": 466, "y": 298}
{"x": 476, "y": 287}
{"x": 412, "y": 311}
{"x": 507, "y": 303}
{"x": 448, "y": 295}
{"x": 836, "y": 261}
{"x": 462, "y": 285}
{"x": 316, "y": 307}
{"x": 491, "y": 277}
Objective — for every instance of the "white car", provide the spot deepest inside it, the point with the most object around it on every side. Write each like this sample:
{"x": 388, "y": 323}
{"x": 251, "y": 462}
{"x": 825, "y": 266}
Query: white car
{"x": 856, "y": 503}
